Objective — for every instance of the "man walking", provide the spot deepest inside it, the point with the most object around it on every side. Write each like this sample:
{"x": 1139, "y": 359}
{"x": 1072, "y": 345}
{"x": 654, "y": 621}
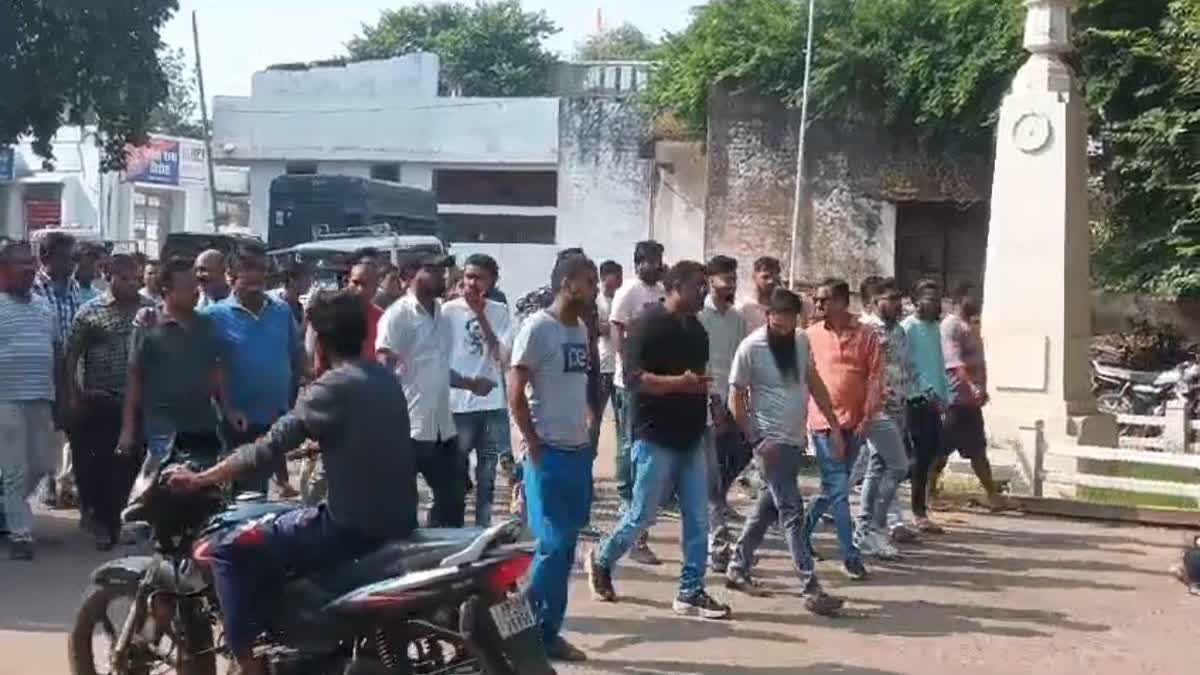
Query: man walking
{"x": 263, "y": 358}
{"x": 612, "y": 276}
{"x": 210, "y": 272}
{"x": 928, "y": 393}
{"x": 847, "y": 357}
{"x": 548, "y": 395}
{"x": 629, "y": 302}
{"x": 28, "y": 348}
{"x": 664, "y": 364}
{"x": 767, "y": 273}
{"x": 773, "y": 377}
{"x": 886, "y": 459}
{"x": 481, "y": 343}
{"x": 416, "y": 340}
{"x": 966, "y": 370}
{"x": 175, "y": 375}
{"x": 99, "y": 342}
{"x": 724, "y": 445}
{"x": 87, "y": 263}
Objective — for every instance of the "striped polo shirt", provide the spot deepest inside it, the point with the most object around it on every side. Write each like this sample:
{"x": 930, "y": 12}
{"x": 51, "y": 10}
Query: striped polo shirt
{"x": 27, "y": 332}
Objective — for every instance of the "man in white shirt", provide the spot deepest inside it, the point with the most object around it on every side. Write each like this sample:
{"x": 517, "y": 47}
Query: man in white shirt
{"x": 415, "y": 338}
{"x": 634, "y": 296}
{"x": 481, "y": 346}
{"x": 767, "y": 273}
{"x": 612, "y": 276}
{"x": 724, "y": 447}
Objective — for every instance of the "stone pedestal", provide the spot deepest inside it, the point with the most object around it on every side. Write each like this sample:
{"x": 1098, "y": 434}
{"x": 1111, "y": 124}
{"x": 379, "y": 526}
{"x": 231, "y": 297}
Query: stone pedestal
{"x": 1037, "y": 312}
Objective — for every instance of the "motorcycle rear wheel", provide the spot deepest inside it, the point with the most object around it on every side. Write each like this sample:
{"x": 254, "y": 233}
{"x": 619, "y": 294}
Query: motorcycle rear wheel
{"x": 93, "y": 615}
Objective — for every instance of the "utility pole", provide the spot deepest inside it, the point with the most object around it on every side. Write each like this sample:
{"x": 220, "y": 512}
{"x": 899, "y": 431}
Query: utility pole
{"x": 208, "y": 153}
{"x": 799, "y": 192}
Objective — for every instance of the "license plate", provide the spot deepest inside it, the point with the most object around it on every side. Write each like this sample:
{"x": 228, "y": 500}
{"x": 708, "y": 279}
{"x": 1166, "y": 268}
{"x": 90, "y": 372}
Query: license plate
{"x": 512, "y": 616}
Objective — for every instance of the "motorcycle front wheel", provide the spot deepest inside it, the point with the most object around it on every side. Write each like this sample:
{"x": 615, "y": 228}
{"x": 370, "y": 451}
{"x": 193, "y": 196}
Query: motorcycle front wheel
{"x": 185, "y": 649}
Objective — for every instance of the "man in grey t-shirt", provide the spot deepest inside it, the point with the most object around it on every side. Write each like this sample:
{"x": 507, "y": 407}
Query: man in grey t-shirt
{"x": 771, "y": 380}
{"x": 547, "y": 390}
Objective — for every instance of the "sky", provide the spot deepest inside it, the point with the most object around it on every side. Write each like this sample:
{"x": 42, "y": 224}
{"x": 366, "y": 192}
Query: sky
{"x": 240, "y": 37}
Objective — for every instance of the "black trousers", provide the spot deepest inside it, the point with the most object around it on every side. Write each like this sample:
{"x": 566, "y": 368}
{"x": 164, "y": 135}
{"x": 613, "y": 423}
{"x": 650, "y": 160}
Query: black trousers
{"x": 259, "y": 480}
{"x": 102, "y": 477}
{"x": 925, "y": 439}
{"x": 440, "y": 463}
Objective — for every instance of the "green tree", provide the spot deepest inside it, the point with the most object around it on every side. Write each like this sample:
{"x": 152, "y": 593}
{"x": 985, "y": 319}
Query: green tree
{"x": 486, "y": 49}
{"x": 72, "y": 63}
{"x": 178, "y": 114}
{"x": 623, "y": 43}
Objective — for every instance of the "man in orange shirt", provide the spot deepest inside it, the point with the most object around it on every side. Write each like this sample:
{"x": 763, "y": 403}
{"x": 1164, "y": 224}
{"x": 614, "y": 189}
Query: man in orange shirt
{"x": 847, "y": 356}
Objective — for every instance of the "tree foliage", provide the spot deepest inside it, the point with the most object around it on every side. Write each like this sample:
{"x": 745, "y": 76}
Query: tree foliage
{"x": 178, "y": 113}
{"x": 623, "y": 43}
{"x": 935, "y": 72}
{"x": 486, "y": 49}
{"x": 77, "y": 62}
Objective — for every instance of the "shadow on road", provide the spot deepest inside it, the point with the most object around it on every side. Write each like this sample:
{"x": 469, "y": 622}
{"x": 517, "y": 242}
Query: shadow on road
{"x": 659, "y": 667}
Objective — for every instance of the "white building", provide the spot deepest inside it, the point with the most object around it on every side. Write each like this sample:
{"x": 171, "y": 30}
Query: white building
{"x": 518, "y": 178}
{"x": 163, "y": 189}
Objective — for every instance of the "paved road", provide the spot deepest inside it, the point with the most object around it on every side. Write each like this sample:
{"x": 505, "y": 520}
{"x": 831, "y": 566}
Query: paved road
{"x": 996, "y": 595}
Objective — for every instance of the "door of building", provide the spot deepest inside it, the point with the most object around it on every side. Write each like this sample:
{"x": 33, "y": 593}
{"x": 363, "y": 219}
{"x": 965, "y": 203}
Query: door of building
{"x": 943, "y": 241}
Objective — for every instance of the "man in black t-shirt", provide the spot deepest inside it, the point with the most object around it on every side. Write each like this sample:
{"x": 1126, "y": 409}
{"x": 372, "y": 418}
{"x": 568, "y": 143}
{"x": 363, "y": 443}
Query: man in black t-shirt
{"x": 665, "y": 356}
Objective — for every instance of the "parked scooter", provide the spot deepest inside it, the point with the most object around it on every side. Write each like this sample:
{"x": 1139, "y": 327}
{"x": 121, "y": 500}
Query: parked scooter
{"x": 443, "y": 601}
{"x": 1133, "y": 392}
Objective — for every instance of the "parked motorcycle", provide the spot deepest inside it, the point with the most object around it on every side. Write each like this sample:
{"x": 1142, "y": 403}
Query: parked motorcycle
{"x": 1135, "y": 392}
{"x": 443, "y": 601}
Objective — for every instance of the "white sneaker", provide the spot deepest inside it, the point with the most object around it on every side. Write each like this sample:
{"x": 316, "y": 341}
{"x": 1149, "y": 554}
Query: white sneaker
{"x": 867, "y": 544}
{"x": 883, "y": 549}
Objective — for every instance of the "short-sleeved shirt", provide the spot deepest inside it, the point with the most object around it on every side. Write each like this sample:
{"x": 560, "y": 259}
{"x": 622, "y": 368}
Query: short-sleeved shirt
{"x": 177, "y": 362}
{"x": 608, "y": 358}
{"x": 663, "y": 343}
{"x": 894, "y": 344}
{"x": 780, "y": 401}
{"x": 754, "y": 312}
{"x": 28, "y": 334}
{"x": 962, "y": 348}
{"x": 470, "y": 356}
{"x": 556, "y": 356}
{"x": 65, "y": 303}
{"x": 259, "y": 353}
{"x": 101, "y": 334}
{"x": 422, "y": 344}
{"x": 632, "y": 299}
{"x": 926, "y": 360}
{"x": 849, "y": 364}
{"x": 726, "y": 330}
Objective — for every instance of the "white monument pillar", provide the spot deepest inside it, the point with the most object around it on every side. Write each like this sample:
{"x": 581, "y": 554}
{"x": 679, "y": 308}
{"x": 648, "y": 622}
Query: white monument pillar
{"x": 1037, "y": 301}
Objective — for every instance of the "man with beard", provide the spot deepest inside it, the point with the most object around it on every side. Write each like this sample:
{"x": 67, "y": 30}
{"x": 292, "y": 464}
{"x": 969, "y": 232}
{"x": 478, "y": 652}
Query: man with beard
{"x": 928, "y": 393}
{"x": 416, "y": 340}
{"x": 631, "y": 300}
{"x": 547, "y": 390}
{"x": 766, "y": 279}
{"x": 886, "y": 460}
{"x": 210, "y": 272}
{"x": 99, "y": 342}
{"x": 772, "y": 380}
{"x": 846, "y": 354}
{"x": 665, "y": 360}
{"x": 724, "y": 446}
{"x": 28, "y": 348}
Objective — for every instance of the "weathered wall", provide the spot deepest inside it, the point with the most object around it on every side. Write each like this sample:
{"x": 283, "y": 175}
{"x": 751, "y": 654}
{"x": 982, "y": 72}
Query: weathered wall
{"x": 679, "y": 184}
{"x": 855, "y": 178}
{"x": 603, "y": 179}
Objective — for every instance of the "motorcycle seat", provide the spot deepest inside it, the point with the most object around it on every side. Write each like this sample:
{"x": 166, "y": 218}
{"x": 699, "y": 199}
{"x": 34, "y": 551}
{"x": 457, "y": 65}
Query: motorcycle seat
{"x": 423, "y": 550}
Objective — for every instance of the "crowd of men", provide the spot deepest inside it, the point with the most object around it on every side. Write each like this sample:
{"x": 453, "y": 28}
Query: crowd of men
{"x": 200, "y": 357}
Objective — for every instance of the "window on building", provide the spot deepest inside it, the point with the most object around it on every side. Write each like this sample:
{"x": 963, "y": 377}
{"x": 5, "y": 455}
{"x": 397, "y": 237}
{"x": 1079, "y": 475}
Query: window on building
{"x": 498, "y": 228}
{"x": 389, "y": 171}
{"x": 151, "y": 220}
{"x": 496, "y": 188}
{"x": 302, "y": 168}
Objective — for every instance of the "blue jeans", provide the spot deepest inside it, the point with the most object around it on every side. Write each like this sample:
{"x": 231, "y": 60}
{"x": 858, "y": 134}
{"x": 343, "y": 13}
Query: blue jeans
{"x": 558, "y": 493}
{"x": 887, "y": 465}
{"x": 622, "y": 412}
{"x": 835, "y": 491}
{"x": 488, "y": 434}
{"x": 658, "y": 470}
{"x": 778, "y": 502}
